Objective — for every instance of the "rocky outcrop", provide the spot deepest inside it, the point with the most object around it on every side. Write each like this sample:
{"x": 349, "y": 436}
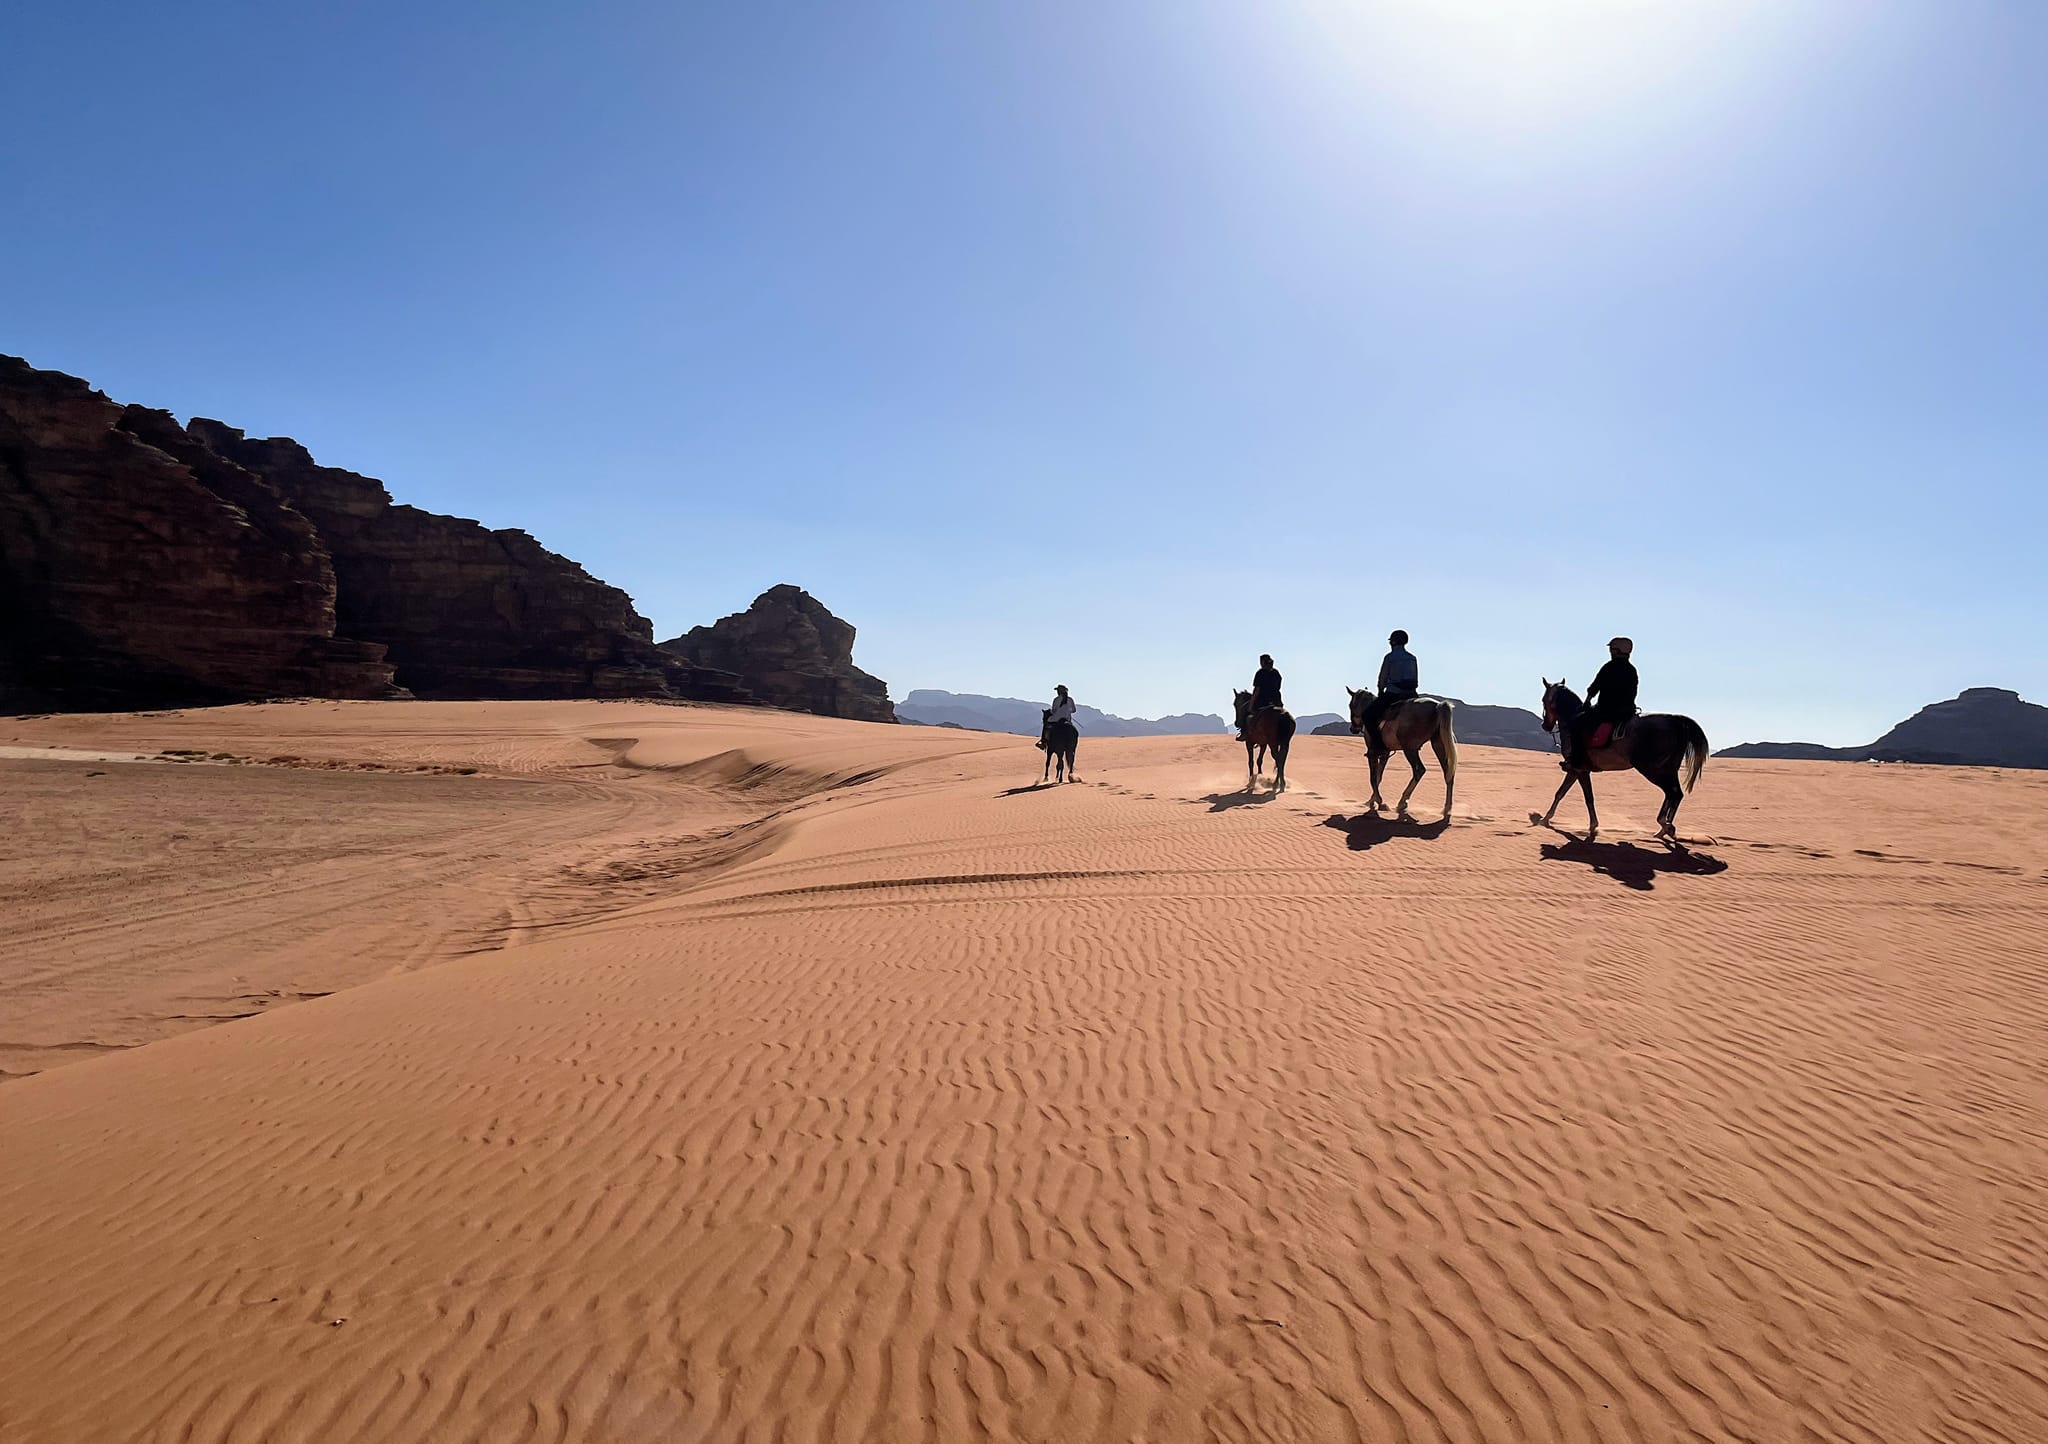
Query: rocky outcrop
{"x": 462, "y": 610}
{"x": 789, "y": 651}
{"x": 1980, "y": 727}
{"x": 136, "y": 568}
{"x": 145, "y": 563}
{"x": 1016, "y": 715}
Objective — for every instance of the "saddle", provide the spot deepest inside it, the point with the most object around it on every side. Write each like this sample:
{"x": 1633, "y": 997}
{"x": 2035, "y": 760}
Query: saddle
{"x": 1610, "y": 734}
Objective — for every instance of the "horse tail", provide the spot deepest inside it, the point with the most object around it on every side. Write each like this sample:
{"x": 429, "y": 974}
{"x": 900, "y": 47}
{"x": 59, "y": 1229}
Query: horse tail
{"x": 1695, "y": 755}
{"x": 1447, "y": 744}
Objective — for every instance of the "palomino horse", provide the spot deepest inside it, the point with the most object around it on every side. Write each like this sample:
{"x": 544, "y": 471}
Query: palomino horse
{"x": 1665, "y": 747}
{"x": 1270, "y": 729}
{"x": 1404, "y": 727}
{"x": 1060, "y": 741}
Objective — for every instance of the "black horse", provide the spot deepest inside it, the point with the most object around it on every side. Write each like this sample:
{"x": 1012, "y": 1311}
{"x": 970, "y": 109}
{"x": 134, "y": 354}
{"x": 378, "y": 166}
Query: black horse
{"x": 1665, "y": 747}
{"x": 1061, "y": 740}
{"x": 1270, "y": 729}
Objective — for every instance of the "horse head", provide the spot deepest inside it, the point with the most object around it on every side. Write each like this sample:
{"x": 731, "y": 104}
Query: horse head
{"x": 1560, "y": 703}
{"x": 1361, "y": 698}
{"x": 1243, "y": 702}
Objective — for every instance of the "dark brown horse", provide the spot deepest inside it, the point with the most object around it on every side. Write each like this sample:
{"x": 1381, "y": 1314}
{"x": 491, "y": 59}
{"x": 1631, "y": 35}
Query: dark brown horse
{"x": 1061, "y": 740}
{"x": 1665, "y": 747}
{"x": 1270, "y": 729}
{"x": 1405, "y": 725}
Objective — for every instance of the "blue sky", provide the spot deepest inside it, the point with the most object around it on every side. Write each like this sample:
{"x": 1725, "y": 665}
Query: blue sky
{"x": 1114, "y": 343}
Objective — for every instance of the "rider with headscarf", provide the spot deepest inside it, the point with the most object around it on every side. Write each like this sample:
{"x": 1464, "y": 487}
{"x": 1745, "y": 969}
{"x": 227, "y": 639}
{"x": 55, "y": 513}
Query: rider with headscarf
{"x": 1062, "y": 710}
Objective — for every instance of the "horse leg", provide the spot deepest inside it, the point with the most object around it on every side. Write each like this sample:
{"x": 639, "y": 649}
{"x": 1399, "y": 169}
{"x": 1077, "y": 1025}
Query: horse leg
{"x": 1046, "y": 776}
{"x": 1562, "y": 788}
{"x": 1280, "y": 767}
{"x": 1592, "y": 817}
{"x": 1251, "y": 772}
{"x": 1376, "y": 762}
{"x": 1414, "y": 780}
{"x": 1667, "y": 815}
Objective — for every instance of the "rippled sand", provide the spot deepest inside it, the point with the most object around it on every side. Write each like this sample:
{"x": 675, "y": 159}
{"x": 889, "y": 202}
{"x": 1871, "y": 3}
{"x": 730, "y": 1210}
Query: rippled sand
{"x": 602, "y": 1071}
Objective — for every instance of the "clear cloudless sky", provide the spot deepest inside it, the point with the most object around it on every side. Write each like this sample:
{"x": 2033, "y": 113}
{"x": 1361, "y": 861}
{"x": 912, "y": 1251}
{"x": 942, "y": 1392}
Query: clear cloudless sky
{"x": 1113, "y": 343}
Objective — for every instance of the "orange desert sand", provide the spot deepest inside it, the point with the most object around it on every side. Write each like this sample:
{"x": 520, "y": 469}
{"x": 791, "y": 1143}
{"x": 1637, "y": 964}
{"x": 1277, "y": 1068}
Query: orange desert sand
{"x": 614, "y": 1071}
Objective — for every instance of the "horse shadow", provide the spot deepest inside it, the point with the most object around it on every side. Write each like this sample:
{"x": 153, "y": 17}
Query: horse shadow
{"x": 1034, "y": 787}
{"x": 1370, "y": 829}
{"x": 1224, "y": 801}
{"x": 1632, "y": 866}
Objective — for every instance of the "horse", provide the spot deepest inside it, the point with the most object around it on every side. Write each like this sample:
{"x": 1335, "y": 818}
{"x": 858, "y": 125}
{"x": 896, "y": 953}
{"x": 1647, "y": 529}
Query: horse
{"x": 1060, "y": 741}
{"x": 1268, "y": 729}
{"x": 1404, "y": 727}
{"x": 1665, "y": 747}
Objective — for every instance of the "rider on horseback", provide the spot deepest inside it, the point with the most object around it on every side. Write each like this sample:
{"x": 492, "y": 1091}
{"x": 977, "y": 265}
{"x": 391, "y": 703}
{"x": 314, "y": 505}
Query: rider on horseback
{"x": 1266, "y": 685}
{"x": 1400, "y": 679}
{"x": 1610, "y": 703}
{"x": 1062, "y": 710}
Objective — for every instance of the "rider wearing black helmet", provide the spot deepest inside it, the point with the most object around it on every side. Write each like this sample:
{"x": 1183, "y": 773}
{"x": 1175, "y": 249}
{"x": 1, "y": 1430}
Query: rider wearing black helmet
{"x": 1610, "y": 703}
{"x": 1400, "y": 679}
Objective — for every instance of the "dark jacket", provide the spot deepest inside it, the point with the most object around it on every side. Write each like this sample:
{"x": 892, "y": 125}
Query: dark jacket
{"x": 1612, "y": 697}
{"x": 1266, "y": 688}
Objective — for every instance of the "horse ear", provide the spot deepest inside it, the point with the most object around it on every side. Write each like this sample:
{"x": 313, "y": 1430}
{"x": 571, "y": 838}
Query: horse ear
{"x": 1546, "y": 684}
{"x": 1352, "y": 691}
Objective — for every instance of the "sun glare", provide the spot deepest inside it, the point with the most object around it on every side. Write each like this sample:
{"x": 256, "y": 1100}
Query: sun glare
{"x": 1540, "y": 67}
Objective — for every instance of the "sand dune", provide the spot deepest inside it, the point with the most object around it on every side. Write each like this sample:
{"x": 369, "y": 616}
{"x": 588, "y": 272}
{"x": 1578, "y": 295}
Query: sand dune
{"x": 703, "y": 1075}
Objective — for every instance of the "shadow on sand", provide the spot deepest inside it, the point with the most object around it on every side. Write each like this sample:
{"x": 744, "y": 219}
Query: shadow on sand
{"x": 1037, "y": 787}
{"x": 1630, "y": 865}
{"x": 1370, "y": 829}
{"x": 1224, "y": 801}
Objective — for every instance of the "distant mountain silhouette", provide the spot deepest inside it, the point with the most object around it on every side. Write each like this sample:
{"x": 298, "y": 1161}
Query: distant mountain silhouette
{"x": 1981, "y": 727}
{"x": 1320, "y": 723}
{"x": 934, "y": 707}
{"x": 1482, "y": 724}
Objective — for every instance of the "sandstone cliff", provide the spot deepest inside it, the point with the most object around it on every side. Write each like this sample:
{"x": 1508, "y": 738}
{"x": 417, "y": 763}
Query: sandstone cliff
{"x": 462, "y": 610}
{"x": 136, "y": 568}
{"x": 789, "y": 651}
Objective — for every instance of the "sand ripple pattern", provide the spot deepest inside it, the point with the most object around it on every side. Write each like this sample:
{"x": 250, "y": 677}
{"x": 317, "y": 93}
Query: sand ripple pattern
{"x": 1103, "y": 1113}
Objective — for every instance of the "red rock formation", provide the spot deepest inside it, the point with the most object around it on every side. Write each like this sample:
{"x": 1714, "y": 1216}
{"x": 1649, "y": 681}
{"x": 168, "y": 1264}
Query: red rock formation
{"x": 789, "y": 651}
{"x": 465, "y": 611}
{"x": 136, "y": 569}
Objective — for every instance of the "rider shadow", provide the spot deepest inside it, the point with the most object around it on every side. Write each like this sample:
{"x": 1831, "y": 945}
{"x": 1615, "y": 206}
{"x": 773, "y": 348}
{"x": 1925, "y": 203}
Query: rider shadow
{"x": 1370, "y": 829}
{"x": 1034, "y": 787}
{"x": 1224, "y": 801}
{"x": 1632, "y": 866}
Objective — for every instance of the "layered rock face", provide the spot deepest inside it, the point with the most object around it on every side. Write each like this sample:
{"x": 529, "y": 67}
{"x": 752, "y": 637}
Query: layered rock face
{"x": 789, "y": 651}
{"x": 135, "y": 567}
{"x": 464, "y": 611}
{"x": 144, "y": 563}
